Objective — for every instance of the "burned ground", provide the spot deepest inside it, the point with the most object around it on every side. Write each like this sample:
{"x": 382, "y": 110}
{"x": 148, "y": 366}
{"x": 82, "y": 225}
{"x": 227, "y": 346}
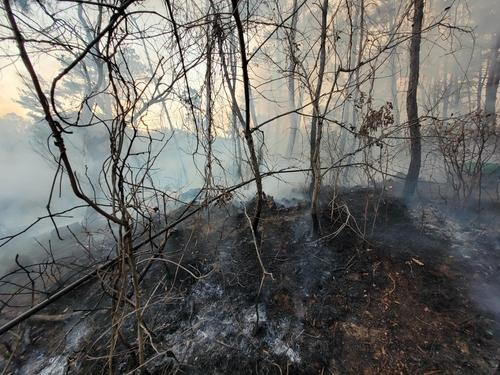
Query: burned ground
{"x": 387, "y": 289}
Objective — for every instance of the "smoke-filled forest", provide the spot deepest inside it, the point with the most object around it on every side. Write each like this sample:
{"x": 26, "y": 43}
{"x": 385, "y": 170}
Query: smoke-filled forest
{"x": 249, "y": 187}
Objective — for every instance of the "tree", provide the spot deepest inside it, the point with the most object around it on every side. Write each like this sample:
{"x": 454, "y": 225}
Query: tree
{"x": 247, "y": 127}
{"x": 317, "y": 123}
{"x": 292, "y": 41}
{"x": 493, "y": 81}
{"x": 120, "y": 179}
{"x": 411, "y": 102}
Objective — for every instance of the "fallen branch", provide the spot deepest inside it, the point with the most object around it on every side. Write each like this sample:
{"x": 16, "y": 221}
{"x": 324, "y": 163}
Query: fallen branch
{"x": 55, "y": 297}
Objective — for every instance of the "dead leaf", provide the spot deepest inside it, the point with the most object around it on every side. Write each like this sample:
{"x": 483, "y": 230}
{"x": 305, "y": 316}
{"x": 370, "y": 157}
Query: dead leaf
{"x": 417, "y": 261}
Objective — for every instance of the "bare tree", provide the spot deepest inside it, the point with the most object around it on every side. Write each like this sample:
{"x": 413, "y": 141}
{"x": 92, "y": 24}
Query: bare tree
{"x": 411, "y": 102}
{"x": 294, "y": 118}
{"x": 493, "y": 81}
{"x": 247, "y": 127}
{"x": 317, "y": 123}
{"x": 125, "y": 173}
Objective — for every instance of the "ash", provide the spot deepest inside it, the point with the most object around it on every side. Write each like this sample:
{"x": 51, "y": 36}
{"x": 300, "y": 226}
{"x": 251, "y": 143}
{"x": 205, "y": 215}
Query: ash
{"x": 397, "y": 290}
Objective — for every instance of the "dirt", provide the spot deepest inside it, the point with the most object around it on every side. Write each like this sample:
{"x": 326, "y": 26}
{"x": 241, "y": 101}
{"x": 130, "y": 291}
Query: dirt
{"x": 386, "y": 289}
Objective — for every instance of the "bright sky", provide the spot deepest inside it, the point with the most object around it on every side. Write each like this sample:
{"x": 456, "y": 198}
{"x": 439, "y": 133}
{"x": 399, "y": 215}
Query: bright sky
{"x": 9, "y": 83}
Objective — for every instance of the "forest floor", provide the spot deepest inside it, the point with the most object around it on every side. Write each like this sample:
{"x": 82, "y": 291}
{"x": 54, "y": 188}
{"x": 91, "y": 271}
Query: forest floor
{"x": 387, "y": 289}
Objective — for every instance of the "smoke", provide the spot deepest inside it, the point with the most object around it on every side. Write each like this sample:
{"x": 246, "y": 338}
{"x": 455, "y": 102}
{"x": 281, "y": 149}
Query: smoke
{"x": 26, "y": 178}
{"x": 453, "y": 66}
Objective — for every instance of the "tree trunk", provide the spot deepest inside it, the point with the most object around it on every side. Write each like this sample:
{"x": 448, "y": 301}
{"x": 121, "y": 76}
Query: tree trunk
{"x": 247, "y": 129}
{"x": 208, "y": 115}
{"x": 446, "y": 93}
{"x": 356, "y": 56}
{"x": 260, "y": 138}
{"x": 411, "y": 104}
{"x": 317, "y": 126}
{"x": 394, "y": 79}
{"x": 291, "y": 83}
{"x": 492, "y": 83}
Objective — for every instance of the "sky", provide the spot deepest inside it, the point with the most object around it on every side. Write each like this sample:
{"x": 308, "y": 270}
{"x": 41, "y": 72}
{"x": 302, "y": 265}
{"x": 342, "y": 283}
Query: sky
{"x": 10, "y": 83}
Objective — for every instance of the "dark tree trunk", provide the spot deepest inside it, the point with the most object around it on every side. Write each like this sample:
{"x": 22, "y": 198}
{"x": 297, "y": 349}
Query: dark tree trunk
{"x": 247, "y": 129}
{"x": 411, "y": 103}
{"x": 317, "y": 126}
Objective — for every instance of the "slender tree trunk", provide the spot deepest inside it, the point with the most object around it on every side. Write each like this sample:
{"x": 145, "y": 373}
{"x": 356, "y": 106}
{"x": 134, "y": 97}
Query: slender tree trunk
{"x": 411, "y": 104}
{"x": 260, "y": 134}
{"x": 347, "y": 106}
{"x": 357, "y": 46}
{"x": 344, "y": 132}
{"x": 317, "y": 126}
{"x": 291, "y": 82}
{"x": 230, "y": 78}
{"x": 492, "y": 83}
{"x": 394, "y": 79}
{"x": 247, "y": 129}
{"x": 446, "y": 93}
{"x": 208, "y": 114}
{"x": 480, "y": 82}
{"x": 457, "y": 89}
{"x": 394, "y": 88}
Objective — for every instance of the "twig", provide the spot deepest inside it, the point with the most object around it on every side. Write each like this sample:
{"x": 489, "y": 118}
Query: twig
{"x": 226, "y": 345}
{"x": 350, "y": 263}
{"x": 13, "y": 351}
{"x": 279, "y": 368}
{"x": 394, "y": 286}
{"x": 317, "y": 257}
{"x": 7, "y": 239}
{"x": 48, "y": 301}
{"x": 420, "y": 320}
{"x": 263, "y": 268}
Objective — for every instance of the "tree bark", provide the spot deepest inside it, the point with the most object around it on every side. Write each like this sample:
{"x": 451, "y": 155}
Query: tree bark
{"x": 492, "y": 83}
{"x": 317, "y": 126}
{"x": 291, "y": 82}
{"x": 247, "y": 129}
{"x": 394, "y": 80}
{"x": 357, "y": 34}
{"x": 411, "y": 104}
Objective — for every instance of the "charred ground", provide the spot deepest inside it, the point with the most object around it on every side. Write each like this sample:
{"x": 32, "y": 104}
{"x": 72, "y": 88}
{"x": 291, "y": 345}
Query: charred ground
{"x": 387, "y": 289}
